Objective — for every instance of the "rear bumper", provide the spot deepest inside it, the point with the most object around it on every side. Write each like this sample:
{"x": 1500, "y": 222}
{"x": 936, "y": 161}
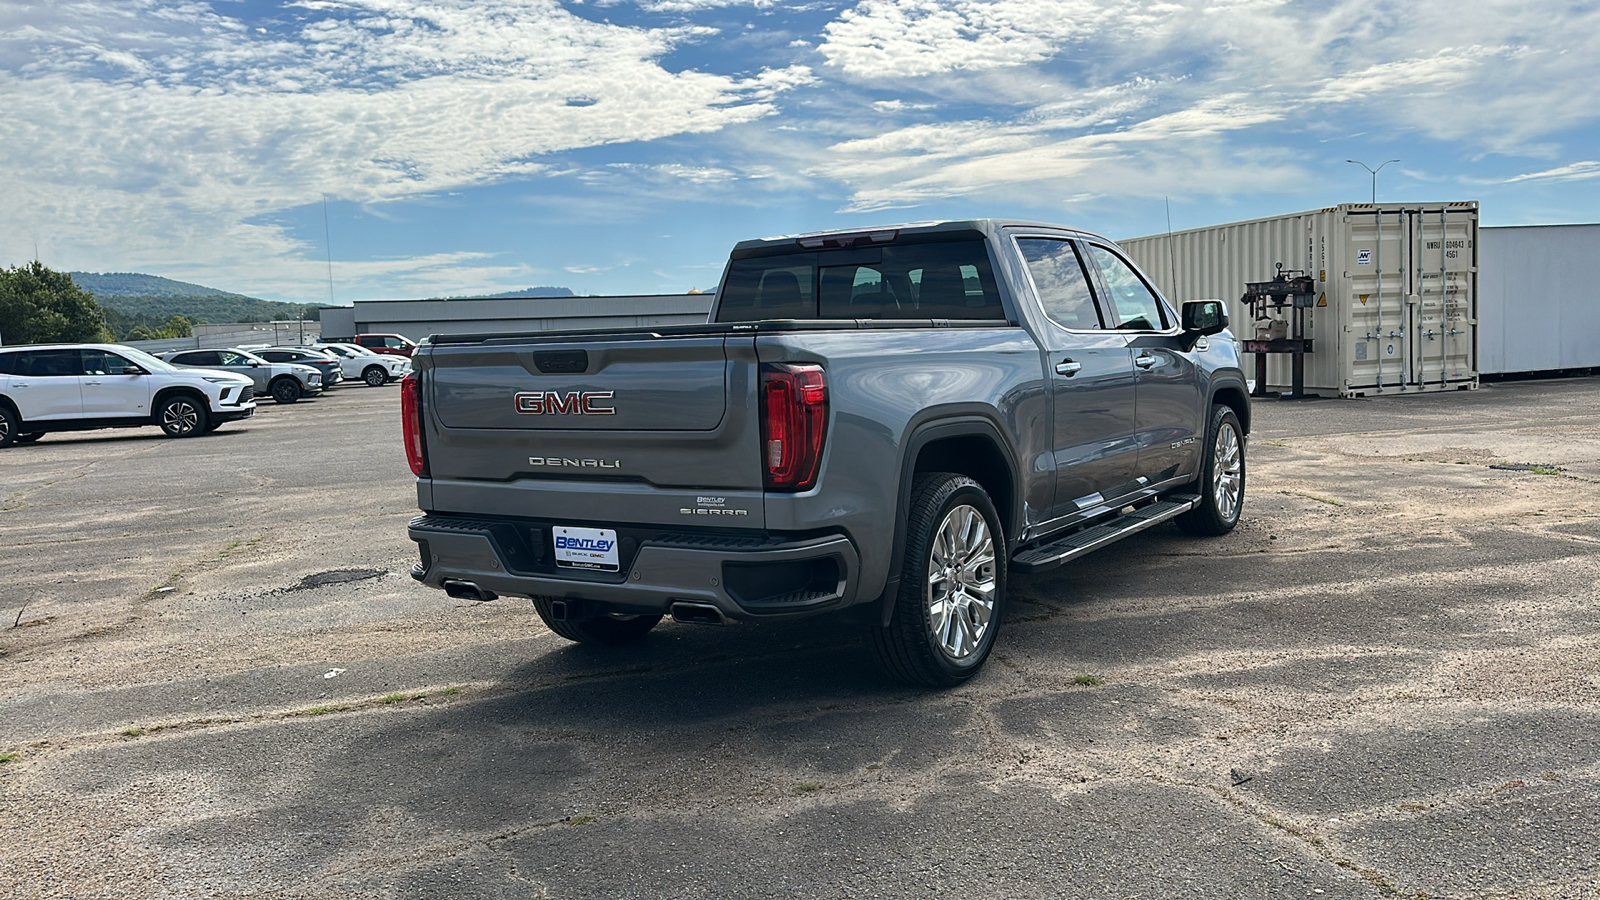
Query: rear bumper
{"x": 748, "y": 578}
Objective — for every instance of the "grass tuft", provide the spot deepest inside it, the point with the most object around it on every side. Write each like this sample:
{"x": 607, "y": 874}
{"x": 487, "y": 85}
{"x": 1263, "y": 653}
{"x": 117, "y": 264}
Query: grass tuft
{"x": 1089, "y": 680}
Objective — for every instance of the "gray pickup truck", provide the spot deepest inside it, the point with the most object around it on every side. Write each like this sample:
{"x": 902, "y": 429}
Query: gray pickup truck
{"x": 883, "y": 421}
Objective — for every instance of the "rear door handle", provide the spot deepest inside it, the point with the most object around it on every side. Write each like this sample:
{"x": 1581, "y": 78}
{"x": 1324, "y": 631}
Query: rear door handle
{"x": 1068, "y": 368}
{"x": 1145, "y": 361}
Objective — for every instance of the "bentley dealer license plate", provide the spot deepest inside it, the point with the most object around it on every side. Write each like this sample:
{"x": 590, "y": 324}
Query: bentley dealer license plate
{"x": 586, "y": 548}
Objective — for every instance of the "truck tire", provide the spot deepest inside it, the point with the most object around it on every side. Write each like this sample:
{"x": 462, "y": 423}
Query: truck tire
{"x": 952, "y": 585}
{"x": 603, "y": 629}
{"x": 1221, "y": 480}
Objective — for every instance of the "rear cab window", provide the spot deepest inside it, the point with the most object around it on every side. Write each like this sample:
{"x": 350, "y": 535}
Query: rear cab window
{"x": 937, "y": 276}
{"x": 1060, "y": 282}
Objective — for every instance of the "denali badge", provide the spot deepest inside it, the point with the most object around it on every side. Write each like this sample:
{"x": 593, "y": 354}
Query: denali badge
{"x": 577, "y": 403}
{"x": 567, "y": 462}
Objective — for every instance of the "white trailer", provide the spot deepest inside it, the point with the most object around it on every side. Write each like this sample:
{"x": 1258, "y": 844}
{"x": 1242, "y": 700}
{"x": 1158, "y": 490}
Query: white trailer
{"x": 1396, "y": 306}
{"x": 1538, "y": 301}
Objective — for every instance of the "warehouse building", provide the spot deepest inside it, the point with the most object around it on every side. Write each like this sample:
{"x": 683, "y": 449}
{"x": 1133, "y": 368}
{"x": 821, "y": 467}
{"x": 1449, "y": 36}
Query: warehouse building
{"x": 416, "y": 319}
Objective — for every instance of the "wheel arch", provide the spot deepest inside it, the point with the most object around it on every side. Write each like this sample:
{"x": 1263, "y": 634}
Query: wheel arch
{"x": 967, "y": 442}
{"x": 1235, "y": 397}
{"x": 168, "y": 392}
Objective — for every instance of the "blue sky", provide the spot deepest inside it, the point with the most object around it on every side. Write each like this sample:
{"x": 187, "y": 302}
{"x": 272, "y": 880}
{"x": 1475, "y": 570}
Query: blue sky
{"x": 622, "y": 146}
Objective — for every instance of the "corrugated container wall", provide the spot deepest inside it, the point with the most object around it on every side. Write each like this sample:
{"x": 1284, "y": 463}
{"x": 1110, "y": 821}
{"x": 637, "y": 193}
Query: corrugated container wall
{"x": 1396, "y": 290}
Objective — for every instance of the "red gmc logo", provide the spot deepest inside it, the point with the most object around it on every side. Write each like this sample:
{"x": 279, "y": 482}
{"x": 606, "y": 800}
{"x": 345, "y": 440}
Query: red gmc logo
{"x": 572, "y": 403}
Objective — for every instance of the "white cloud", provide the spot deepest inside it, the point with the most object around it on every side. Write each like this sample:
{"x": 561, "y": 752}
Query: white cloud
{"x": 165, "y": 131}
{"x": 140, "y": 132}
{"x": 1578, "y": 171}
{"x": 1121, "y": 93}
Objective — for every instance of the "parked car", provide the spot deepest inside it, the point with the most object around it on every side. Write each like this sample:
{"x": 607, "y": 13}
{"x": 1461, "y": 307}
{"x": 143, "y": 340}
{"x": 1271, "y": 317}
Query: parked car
{"x": 375, "y": 369}
{"x": 76, "y": 387}
{"x": 285, "y": 382}
{"x": 327, "y": 364}
{"x": 392, "y": 344}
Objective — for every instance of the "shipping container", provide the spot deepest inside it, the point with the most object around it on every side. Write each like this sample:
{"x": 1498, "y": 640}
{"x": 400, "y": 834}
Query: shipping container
{"x": 1538, "y": 302}
{"x": 1395, "y": 292}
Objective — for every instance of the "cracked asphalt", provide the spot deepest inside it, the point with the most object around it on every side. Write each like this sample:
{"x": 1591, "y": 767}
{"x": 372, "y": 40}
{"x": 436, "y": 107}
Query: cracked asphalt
{"x": 216, "y": 680}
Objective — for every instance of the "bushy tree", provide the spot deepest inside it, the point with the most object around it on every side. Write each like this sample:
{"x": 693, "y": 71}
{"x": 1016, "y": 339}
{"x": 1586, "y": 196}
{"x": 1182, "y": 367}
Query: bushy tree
{"x": 38, "y": 305}
{"x": 177, "y": 327}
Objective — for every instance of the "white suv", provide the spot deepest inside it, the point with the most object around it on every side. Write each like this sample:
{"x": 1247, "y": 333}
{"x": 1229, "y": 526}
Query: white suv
{"x": 376, "y": 369}
{"x": 76, "y": 387}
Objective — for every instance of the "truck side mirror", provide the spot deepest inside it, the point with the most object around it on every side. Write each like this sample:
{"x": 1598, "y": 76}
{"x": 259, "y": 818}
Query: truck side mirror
{"x": 1203, "y": 317}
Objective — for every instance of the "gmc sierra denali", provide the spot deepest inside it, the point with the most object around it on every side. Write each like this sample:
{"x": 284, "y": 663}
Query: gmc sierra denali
{"x": 883, "y": 421}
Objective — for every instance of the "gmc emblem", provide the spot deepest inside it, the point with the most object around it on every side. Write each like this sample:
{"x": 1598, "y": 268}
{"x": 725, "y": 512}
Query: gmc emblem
{"x": 572, "y": 403}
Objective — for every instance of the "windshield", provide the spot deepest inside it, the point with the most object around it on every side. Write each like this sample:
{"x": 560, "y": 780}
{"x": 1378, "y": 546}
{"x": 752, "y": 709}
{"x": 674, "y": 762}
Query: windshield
{"x": 144, "y": 359}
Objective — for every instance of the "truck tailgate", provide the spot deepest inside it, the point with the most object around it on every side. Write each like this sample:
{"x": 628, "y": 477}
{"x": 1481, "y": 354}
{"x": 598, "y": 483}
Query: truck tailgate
{"x": 628, "y": 427}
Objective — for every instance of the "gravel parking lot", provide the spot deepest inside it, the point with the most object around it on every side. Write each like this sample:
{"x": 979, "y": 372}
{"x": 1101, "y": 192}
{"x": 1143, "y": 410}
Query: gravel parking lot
{"x": 217, "y": 679}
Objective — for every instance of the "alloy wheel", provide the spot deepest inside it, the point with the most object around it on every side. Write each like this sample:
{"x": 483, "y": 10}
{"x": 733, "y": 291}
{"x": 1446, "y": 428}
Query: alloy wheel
{"x": 180, "y": 417}
{"x": 1227, "y": 471}
{"x": 960, "y": 594}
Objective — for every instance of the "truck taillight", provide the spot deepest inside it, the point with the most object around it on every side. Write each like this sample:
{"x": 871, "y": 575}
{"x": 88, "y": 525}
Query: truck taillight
{"x": 411, "y": 424}
{"x": 794, "y": 420}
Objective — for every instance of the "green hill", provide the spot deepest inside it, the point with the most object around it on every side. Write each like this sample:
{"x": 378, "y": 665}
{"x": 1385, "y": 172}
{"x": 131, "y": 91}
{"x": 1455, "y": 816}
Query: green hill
{"x": 130, "y": 299}
{"x": 133, "y": 284}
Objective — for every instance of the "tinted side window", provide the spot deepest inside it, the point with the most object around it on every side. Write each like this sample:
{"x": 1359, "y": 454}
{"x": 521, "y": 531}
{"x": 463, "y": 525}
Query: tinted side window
{"x": 198, "y": 358}
{"x": 100, "y": 362}
{"x": 50, "y": 364}
{"x": 228, "y": 358}
{"x": 1135, "y": 305}
{"x": 770, "y": 287}
{"x": 276, "y": 356}
{"x": 1063, "y": 288}
{"x": 8, "y": 363}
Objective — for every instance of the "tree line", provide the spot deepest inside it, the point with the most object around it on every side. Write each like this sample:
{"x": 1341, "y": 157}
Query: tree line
{"x": 39, "y": 305}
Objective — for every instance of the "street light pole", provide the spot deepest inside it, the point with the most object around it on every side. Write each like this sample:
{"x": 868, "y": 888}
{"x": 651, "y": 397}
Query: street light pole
{"x": 1374, "y": 174}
